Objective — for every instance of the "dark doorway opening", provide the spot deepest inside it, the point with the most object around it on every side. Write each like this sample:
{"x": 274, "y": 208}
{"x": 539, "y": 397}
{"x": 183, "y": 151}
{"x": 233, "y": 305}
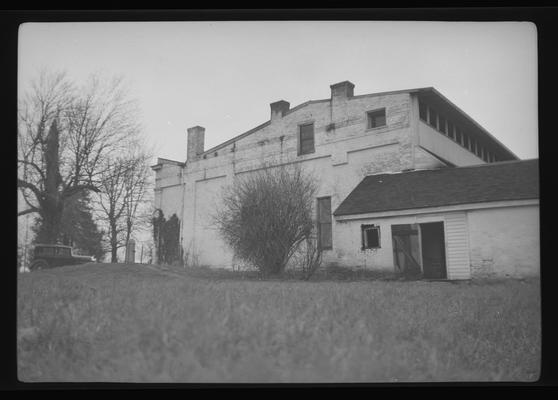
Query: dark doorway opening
{"x": 406, "y": 249}
{"x": 433, "y": 250}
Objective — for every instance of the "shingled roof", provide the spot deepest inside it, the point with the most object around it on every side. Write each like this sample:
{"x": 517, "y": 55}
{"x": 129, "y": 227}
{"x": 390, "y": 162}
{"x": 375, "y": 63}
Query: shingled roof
{"x": 511, "y": 180}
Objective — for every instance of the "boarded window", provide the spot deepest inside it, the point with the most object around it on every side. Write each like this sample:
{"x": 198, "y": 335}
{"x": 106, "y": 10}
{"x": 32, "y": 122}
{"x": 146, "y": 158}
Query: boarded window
{"x": 433, "y": 118}
{"x": 422, "y": 111}
{"x": 370, "y": 236}
{"x": 376, "y": 118}
{"x": 324, "y": 223}
{"x": 306, "y": 139}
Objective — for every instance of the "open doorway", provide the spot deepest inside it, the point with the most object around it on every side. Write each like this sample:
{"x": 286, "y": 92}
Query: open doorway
{"x": 433, "y": 250}
{"x": 406, "y": 249}
{"x": 419, "y": 250}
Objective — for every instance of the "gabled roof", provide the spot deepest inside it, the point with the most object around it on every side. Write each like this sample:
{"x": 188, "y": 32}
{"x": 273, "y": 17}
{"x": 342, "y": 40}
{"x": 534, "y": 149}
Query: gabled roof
{"x": 509, "y": 180}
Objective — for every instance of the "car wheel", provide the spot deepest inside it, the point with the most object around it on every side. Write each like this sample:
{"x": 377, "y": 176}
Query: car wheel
{"x": 38, "y": 265}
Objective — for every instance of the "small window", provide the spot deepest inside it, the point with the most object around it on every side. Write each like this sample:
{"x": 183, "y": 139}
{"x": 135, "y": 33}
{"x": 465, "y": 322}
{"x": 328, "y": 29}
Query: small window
{"x": 422, "y": 111}
{"x": 433, "y": 118}
{"x": 442, "y": 126}
{"x": 324, "y": 223}
{"x": 63, "y": 251}
{"x": 376, "y": 118}
{"x": 44, "y": 251}
{"x": 306, "y": 139}
{"x": 370, "y": 236}
{"x": 451, "y": 132}
{"x": 458, "y": 136}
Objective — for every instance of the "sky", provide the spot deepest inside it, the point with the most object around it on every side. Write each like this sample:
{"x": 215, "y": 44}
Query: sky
{"x": 224, "y": 75}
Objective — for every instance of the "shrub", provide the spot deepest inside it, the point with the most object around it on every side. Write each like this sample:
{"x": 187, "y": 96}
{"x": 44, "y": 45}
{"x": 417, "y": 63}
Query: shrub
{"x": 266, "y": 215}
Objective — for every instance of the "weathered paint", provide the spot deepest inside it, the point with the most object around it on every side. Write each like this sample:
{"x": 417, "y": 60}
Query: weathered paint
{"x": 486, "y": 242}
{"x": 345, "y": 151}
{"x": 505, "y": 241}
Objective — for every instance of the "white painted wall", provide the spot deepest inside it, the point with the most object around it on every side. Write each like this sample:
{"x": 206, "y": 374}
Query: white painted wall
{"x": 441, "y": 145}
{"x": 505, "y": 241}
{"x": 343, "y": 156}
{"x": 500, "y": 242}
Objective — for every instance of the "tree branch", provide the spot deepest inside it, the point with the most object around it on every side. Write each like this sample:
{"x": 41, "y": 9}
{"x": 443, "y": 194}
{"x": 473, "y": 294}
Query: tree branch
{"x": 70, "y": 191}
{"x": 28, "y": 211}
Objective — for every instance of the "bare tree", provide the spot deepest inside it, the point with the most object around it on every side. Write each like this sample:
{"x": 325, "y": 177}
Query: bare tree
{"x": 122, "y": 199}
{"x": 137, "y": 184}
{"x": 85, "y": 124}
{"x": 266, "y": 216}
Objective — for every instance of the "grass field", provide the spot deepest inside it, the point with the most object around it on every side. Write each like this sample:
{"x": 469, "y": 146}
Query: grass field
{"x": 115, "y": 323}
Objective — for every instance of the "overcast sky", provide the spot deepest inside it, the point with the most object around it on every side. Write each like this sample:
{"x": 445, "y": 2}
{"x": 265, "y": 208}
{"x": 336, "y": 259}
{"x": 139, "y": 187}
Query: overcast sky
{"x": 224, "y": 75}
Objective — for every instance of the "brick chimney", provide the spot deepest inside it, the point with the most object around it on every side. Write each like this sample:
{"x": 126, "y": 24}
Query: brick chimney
{"x": 196, "y": 137}
{"x": 342, "y": 90}
{"x": 279, "y": 109}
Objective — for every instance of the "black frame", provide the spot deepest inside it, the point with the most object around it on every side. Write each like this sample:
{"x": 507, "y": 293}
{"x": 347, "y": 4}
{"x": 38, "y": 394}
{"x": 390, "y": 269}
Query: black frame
{"x": 363, "y": 229}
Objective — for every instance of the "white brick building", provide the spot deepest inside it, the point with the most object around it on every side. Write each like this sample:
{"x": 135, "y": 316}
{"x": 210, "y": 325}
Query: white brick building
{"x": 341, "y": 140}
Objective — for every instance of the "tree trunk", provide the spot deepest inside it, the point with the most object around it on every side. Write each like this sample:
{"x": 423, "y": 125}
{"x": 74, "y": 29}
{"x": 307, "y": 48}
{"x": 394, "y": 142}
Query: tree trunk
{"x": 113, "y": 244}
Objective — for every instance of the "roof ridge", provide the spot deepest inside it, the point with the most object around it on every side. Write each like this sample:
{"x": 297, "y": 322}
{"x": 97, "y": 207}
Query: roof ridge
{"x": 494, "y": 164}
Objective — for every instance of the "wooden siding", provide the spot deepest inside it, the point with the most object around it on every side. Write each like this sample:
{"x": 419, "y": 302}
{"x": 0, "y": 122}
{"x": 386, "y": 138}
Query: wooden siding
{"x": 457, "y": 246}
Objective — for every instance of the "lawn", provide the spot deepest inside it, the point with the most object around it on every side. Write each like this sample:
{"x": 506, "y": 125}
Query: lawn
{"x": 131, "y": 323}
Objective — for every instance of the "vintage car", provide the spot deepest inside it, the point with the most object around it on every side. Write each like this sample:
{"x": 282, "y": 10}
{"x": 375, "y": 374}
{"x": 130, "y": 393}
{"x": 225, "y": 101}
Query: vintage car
{"x": 55, "y": 255}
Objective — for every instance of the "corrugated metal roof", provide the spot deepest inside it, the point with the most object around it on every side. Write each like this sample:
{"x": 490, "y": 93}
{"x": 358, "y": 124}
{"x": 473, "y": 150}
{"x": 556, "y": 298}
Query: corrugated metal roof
{"x": 510, "y": 180}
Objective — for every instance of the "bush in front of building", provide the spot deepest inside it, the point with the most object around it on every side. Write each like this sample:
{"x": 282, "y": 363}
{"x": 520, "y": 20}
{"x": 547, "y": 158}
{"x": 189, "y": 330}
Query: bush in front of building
{"x": 266, "y": 215}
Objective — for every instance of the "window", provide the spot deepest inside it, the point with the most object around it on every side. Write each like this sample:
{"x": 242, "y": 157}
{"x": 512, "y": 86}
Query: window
{"x": 422, "y": 111}
{"x": 442, "y": 126}
{"x": 44, "y": 251}
{"x": 451, "y": 132}
{"x": 306, "y": 139}
{"x": 376, "y": 118}
{"x": 458, "y": 136}
{"x": 466, "y": 142}
{"x": 370, "y": 236}
{"x": 433, "y": 118}
{"x": 63, "y": 251}
{"x": 324, "y": 223}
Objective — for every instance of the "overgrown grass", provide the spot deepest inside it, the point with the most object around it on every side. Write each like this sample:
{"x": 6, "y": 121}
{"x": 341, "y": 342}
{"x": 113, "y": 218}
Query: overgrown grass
{"x": 109, "y": 323}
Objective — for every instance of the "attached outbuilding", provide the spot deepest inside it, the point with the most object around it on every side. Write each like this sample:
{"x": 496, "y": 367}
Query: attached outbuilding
{"x": 447, "y": 223}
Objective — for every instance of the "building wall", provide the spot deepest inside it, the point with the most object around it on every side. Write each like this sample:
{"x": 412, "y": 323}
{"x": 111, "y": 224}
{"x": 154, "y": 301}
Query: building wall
{"x": 345, "y": 151}
{"x": 500, "y": 242}
{"x": 439, "y": 144}
{"x": 504, "y": 242}
{"x": 343, "y": 155}
{"x": 350, "y": 241}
